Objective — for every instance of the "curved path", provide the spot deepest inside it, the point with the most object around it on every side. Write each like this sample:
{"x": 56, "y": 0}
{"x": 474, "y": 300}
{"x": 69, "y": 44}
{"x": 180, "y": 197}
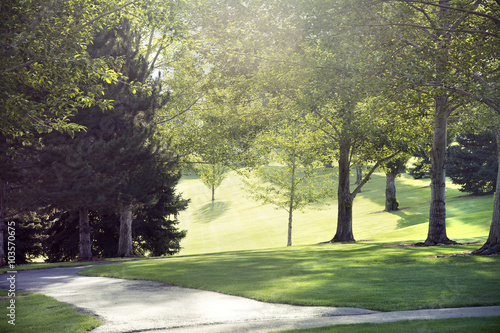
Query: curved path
{"x": 147, "y": 306}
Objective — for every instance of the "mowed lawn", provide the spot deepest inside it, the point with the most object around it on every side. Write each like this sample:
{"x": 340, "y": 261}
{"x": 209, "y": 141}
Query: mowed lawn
{"x": 236, "y": 246}
{"x": 236, "y": 222}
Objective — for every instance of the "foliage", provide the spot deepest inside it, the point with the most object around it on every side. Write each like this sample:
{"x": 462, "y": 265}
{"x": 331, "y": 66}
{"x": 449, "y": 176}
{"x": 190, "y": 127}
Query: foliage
{"x": 46, "y": 71}
{"x": 473, "y": 163}
{"x": 294, "y": 178}
{"x": 28, "y": 240}
{"x": 211, "y": 175}
{"x": 155, "y": 231}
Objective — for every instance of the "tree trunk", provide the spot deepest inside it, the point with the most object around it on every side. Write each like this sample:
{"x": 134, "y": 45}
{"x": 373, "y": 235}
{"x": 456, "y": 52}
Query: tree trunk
{"x": 85, "y": 245}
{"x": 359, "y": 174}
{"x": 345, "y": 199}
{"x": 492, "y": 244}
{"x": 125, "y": 247}
{"x": 213, "y": 193}
{"x": 437, "y": 214}
{"x": 391, "y": 203}
{"x": 290, "y": 209}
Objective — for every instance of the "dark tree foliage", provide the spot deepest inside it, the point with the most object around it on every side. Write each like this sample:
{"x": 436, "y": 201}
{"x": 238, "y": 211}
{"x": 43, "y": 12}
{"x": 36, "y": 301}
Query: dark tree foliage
{"x": 421, "y": 168}
{"x": 473, "y": 163}
{"x": 28, "y": 240}
{"x": 155, "y": 231}
{"x": 155, "y": 226}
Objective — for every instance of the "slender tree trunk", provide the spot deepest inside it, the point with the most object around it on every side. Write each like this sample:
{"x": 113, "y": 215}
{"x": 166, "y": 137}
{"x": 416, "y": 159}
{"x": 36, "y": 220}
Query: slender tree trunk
{"x": 437, "y": 214}
{"x": 213, "y": 193}
{"x": 359, "y": 174}
{"x": 290, "y": 208}
{"x": 125, "y": 247}
{"x": 3, "y": 226}
{"x": 391, "y": 203}
{"x": 492, "y": 244}
{"x": 345, "y": 199}
{"x": 85, "y": 245}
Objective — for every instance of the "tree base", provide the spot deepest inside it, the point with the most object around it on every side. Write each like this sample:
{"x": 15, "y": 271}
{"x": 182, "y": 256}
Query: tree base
{"x": 487, "y": 249}
{"x": 437, "y": 243}
{"x": 336, "y": 240}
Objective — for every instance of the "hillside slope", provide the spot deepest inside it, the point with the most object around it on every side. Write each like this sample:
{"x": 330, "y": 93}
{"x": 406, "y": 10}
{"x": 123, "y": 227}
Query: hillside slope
{"x": 236, "y": 222}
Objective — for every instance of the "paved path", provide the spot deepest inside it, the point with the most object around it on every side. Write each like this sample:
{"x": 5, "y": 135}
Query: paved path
{"x": 147, "y": 306}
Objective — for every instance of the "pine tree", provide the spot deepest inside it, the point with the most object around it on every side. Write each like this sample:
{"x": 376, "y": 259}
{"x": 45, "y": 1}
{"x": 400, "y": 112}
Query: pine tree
{"x": 115, "y": 165}
{"x": 473, "y": 163}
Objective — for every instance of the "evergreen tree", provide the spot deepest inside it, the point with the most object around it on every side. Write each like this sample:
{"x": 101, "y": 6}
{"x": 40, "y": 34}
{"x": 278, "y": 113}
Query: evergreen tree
{"x": 115, "y": 165}
{"x": 473, "y": 163}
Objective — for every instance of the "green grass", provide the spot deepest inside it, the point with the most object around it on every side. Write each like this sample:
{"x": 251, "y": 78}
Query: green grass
{"x": 235, "y": 222}
{"x": 236, "y": 246}
{"x": 466, "y": 325}
{"x": 41, "y": 265}
{"x": 366, "y": 275}
{"x": 40, "y": 313}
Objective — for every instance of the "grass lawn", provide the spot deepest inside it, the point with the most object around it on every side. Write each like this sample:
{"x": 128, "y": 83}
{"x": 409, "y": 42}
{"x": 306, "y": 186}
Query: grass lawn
{"x": 236, "y": 246}
{"x": 40, "y": 313}
{"x": 466, "y": 325}
{"x": 367, "y": 275}
{"x": 235, "y": 222}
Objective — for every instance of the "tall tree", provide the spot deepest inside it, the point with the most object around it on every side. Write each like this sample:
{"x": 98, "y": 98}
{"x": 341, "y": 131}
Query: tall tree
{"x": 434, "y": 46}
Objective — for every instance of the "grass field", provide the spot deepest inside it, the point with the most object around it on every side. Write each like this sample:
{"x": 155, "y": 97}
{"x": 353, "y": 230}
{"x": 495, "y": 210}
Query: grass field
{"x": 38, "y": 313}
{"x": 235, "y": 222}
{"x": 236, "y": 246}
{"x": 466, "y": 325}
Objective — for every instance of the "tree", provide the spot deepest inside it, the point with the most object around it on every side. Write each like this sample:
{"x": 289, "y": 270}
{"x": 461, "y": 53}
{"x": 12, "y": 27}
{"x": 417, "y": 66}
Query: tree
{"x": 393, "y": 169}
{"x": 298, "y": 180}
{"x": 473, "y": 163}
{"x": 212, "y": 175}
{"x": 46, "y": 71}
{"x": 434, "y": 45}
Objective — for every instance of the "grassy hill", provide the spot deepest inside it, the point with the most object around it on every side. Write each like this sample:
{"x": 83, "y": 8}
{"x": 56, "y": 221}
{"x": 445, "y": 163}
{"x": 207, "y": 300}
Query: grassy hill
{"x": 236, "y": 222}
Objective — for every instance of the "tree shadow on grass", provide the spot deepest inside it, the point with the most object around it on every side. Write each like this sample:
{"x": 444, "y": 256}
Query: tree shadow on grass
{"x": 210, "y": 211}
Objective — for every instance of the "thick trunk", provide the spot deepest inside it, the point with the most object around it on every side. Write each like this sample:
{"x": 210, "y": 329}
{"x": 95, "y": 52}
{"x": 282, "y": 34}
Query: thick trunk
{"x": 492, "y": 244}
{"x": 85, "y": 245}
{"x": 345, "y": 200}
{"x": 391, "y": 203}
{"x": 125, "y": 247}
{"x": 437, "y": 214}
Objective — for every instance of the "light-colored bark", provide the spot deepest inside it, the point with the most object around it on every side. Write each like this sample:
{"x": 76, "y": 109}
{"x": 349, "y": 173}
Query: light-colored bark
{"x": 391, "y": 203}
{"x": 492, "y": 244}
{"x": 85, "y": 244}
{"x": 437, "y": 213}
{"x": 290, "y": 209}
{"x": 125, "y": 246}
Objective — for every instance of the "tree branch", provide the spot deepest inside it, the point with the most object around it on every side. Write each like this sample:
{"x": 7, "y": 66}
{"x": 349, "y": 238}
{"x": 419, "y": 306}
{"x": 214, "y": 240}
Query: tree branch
{"x": 372, "y": 170}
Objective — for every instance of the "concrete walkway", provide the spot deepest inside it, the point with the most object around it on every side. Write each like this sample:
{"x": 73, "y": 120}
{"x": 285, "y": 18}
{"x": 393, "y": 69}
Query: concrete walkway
{"x": 147, "y": 306}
